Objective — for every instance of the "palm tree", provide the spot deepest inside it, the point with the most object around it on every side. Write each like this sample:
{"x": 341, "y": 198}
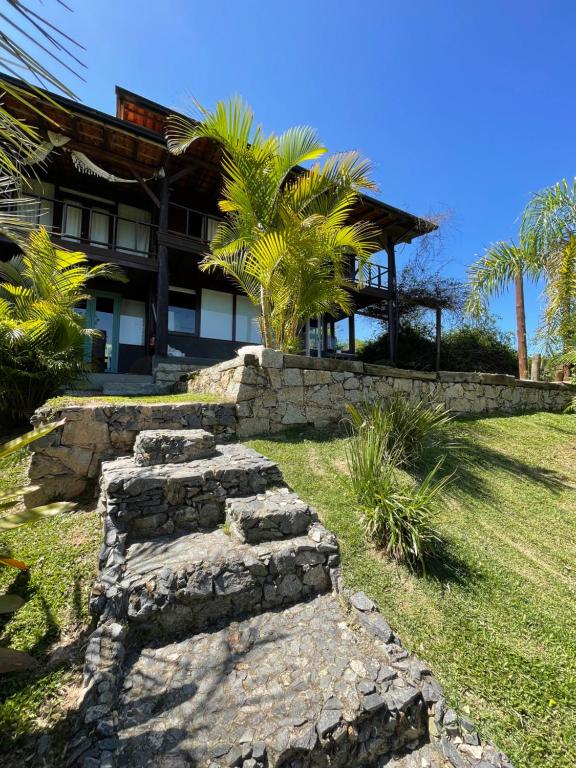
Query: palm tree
{"x": 286, "y": 241}
{"x": 502, "y": 264}
{"x": 42, "y": 336}
{"x": 550, "y": 221}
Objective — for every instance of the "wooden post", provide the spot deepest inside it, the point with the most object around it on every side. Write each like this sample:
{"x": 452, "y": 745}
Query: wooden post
{"x": 351, "y": 334}
{"x": 392, "y": 303}
{"x": 307, "y": 338}
{"x": 521, "y": 327}
{"x": 438, "y": 336}
{"x": 319, "y": 335}
{"x": 535, "y": 372}
{"x": 163, "y": 275}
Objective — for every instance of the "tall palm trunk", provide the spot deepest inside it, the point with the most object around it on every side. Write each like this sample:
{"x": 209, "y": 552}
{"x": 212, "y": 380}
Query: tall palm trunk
{"x": 521, "y": 327}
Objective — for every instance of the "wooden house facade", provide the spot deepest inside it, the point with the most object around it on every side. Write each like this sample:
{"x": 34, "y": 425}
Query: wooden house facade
{"x": 108, "y": 186}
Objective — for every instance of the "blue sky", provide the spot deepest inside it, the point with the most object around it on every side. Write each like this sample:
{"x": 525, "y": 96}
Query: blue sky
{"x": 462, "y": 106}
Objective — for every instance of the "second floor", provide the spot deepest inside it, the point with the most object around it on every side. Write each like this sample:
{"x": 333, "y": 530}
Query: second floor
{"x": 108, "y": 186}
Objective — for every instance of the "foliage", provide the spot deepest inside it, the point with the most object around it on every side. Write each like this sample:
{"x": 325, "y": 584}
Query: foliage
{"x": 42, "y": 336}
{"x": 482, "y": 348}
{"x": 11, "y": 660}
{"x": 396, "y": 513}
{"x": 20, "y": 141}
{"x": 399, "y": 427}
{"x": 286, "y": 240}
{"x": 398, "y": 516}
{"x": 62, "y": 552}
{"x": 494, "y": 615}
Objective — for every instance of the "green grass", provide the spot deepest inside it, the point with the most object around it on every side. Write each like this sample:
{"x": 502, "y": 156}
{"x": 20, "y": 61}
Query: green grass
{"x": 61, "y": 554}
{"x": 496, "y": 618}
{"x": 186, "y": 397}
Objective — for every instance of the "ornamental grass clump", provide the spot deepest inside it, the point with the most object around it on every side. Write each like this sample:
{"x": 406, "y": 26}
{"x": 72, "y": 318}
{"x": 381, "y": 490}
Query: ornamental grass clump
{"x": 396, "y": 511}
{"x": 406, "y": 427}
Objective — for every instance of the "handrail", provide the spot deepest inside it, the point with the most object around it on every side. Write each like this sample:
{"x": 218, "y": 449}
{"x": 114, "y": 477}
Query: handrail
{"x": 138, "y": 238}
{"x": 374, "y": 275}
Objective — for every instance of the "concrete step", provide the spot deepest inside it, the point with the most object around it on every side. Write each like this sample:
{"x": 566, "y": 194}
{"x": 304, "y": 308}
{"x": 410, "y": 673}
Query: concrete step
{"x": 184, "y": 583}
{"x": 298, "y": 688}
{"x": 172, "y": 446}
{"x": 155, "y": 500}
{"x": 274, "y": 514}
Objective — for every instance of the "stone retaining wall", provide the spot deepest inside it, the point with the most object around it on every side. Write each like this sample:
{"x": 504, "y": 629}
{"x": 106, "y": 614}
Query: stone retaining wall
{"x": 273, "y": 390}
{"x": 66, "y": 463}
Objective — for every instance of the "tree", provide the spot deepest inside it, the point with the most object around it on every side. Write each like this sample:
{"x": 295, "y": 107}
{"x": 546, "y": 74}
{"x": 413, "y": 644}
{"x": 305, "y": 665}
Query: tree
{"x": 286, "y": 241}
{"x": 19, "y": 141}
{"x": 549, "y": 221}
{"x": 42, "y": 336}
{"x": 502, "y": 264}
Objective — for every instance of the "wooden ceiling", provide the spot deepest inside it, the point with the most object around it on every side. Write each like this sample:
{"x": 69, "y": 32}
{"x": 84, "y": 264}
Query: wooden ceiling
{"x": 132, "y": 144}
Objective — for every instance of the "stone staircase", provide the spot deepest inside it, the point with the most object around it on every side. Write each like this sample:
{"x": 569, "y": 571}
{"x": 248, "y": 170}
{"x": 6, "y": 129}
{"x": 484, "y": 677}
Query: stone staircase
{"x": 223, "y": 638}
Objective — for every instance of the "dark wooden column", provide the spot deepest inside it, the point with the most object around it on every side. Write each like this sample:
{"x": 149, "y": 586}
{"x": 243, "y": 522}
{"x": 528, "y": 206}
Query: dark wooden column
{"x": 351, "y": 334}
{"x": 438, "y": 336}
{"x": 163, "y": 275}
{"x": 392, "y": 302}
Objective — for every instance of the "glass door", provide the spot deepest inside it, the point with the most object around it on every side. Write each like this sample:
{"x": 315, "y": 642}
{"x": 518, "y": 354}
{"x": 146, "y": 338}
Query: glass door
{"x": 103, "y": 314}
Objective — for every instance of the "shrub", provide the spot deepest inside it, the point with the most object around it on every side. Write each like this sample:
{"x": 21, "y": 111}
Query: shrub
{"x": 403, "y": 427}
{"x": 396, "y": 513}
{"x": 42, "y": 336}
{"x": 469, "y": 348}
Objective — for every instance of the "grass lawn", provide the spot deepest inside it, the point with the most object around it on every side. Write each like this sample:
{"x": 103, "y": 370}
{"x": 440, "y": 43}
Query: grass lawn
{"x": 496, "y": 619}
{"x": 61, "y": 553}
{"x": 186, "y": 397}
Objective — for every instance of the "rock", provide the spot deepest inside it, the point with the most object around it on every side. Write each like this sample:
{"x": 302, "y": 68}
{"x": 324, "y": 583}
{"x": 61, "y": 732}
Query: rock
{"x": 362, "y": 602}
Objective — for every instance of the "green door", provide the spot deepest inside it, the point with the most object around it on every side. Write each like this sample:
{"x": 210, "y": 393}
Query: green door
{"x": 103, "y": 314}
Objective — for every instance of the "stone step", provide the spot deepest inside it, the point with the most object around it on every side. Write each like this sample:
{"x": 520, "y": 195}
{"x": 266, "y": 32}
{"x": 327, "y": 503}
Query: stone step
{"x": 298, "y": 688}
{"x": 274, "y": 514}
{"x": 146, "y": 502}
{"x": 172, "y": 446}
{"x": 185, "y": 583}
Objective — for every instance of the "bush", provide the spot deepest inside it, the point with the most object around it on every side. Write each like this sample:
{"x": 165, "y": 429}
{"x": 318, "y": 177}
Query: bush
{"x": 403, "y": 428}
{"x": 396, "y": 513}
{"x": 398, "y": 516}
{"x": 469, "y": 348}
{"x": 42, "y": 336}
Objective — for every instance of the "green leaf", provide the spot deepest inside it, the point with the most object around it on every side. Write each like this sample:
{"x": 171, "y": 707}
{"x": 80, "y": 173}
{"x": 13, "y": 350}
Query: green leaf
{"x": 22, "y": 517}
{"x": 21, "y": 442}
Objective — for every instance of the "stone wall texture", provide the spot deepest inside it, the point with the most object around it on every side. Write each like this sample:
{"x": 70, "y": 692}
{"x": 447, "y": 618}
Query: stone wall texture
{"x": 66, "y": 463}
{"x": 263, "y": 391}
{"x": 273, "y": 391}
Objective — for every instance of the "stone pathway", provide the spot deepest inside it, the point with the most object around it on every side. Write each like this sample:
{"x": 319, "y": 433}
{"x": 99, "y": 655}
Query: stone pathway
{"x": 224, "y": 639}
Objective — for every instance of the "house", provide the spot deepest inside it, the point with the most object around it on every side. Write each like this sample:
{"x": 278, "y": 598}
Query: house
{"x": 108, "y": 186}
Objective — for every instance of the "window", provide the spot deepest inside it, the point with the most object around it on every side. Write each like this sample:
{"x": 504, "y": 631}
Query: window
{"x": 211, "y": 225}
{"x": 99, "y": 227}
{"x": 71, "y": 220}
{"x": 182, "y": 310}
{"x": 132, "y": 322}
{"x": 37, "y": 211}
{"x": 133, "y": 229}
{"x": 247, "y": 316}
{"x": 216, "y": 315}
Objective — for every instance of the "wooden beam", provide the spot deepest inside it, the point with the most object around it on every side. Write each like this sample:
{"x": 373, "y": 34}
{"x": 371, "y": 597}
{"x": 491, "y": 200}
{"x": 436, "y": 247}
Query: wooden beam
{"x": 438, "y": 336}
{"x": 162, "y": 289}
{"x": 146, "y": 188}
{"x": 392, "y": 302}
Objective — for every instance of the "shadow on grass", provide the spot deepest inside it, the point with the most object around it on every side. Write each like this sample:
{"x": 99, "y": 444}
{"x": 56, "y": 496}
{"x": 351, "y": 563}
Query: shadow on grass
{"x": 17, "y": 737}
{"x": 471, "y": 462}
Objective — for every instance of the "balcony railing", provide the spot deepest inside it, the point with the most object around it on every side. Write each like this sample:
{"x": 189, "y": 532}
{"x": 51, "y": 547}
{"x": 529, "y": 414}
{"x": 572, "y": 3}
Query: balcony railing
{"x": 94, "y": 225}
{"x": 372, "y": 275}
